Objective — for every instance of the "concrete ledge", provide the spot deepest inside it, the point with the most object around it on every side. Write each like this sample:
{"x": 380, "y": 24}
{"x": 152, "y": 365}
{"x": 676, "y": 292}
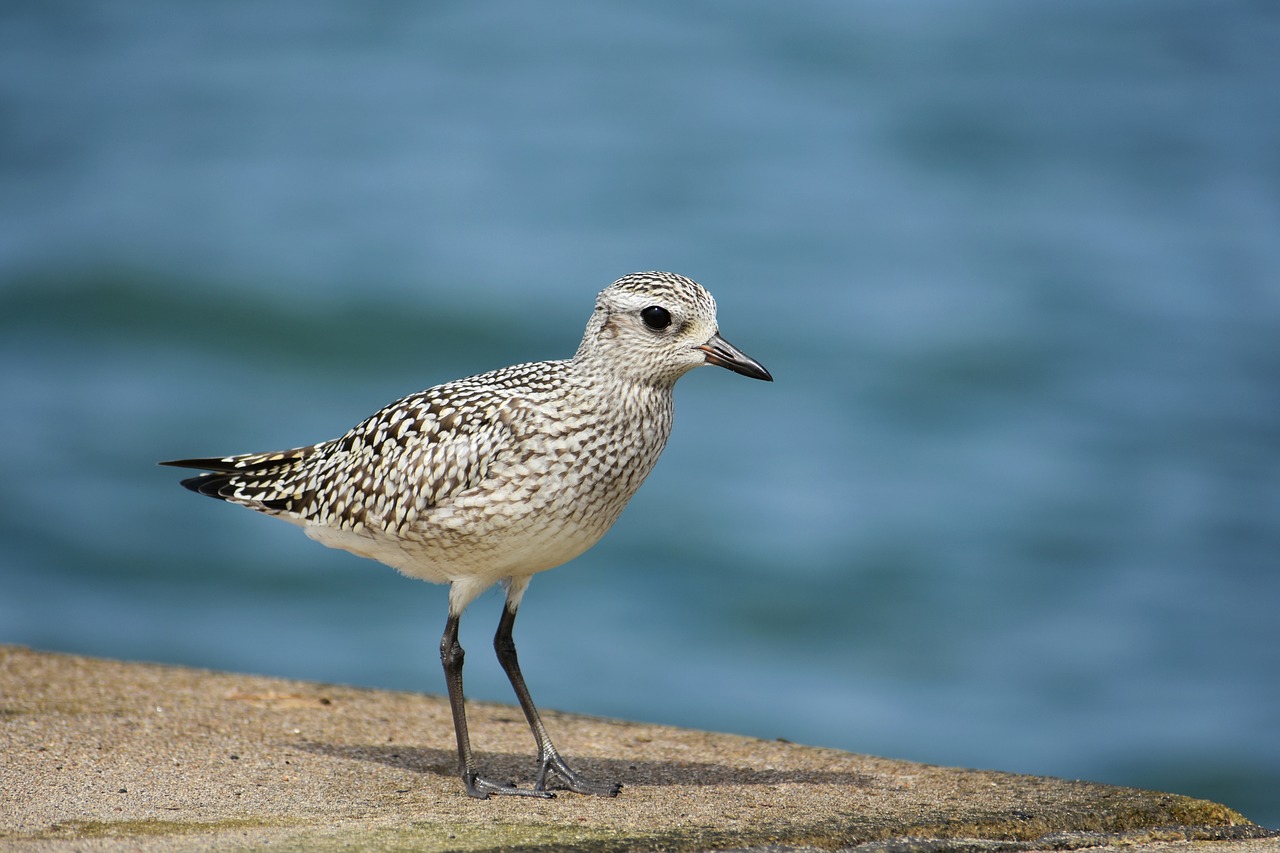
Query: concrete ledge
{"x": 105, "y": 755}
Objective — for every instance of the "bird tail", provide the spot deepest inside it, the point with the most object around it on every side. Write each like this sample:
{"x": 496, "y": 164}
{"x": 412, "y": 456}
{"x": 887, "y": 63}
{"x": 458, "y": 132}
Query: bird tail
{"x": 267, "y": 482}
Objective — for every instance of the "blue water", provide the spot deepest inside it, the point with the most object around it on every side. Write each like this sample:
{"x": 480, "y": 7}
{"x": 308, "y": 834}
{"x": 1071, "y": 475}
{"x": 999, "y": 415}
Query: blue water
{"x": 1013, "y": 501}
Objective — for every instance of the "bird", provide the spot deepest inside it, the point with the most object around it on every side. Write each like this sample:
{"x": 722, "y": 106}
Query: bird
{"x": 493, "y": 478}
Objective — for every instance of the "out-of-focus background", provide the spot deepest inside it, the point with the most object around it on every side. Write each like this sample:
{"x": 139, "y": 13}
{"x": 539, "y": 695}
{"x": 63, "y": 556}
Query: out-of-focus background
{"x": 1013, "y": 501}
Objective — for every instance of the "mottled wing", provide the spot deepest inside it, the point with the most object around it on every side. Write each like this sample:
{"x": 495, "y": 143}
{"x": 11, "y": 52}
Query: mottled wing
{"x": 383, "y": 474}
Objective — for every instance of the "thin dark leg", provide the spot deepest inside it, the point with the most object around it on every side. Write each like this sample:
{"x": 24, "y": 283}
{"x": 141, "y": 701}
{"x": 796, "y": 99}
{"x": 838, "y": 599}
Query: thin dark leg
{"x": 451, "y": 655}
{"x": 549, "y": 759}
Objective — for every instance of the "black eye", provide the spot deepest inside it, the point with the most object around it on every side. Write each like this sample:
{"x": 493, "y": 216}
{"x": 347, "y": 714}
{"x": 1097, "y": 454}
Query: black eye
{"x": 656, "y": 317}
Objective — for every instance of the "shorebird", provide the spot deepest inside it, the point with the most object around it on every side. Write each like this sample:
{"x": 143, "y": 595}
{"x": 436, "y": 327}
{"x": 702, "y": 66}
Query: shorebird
{"x": 494, "y": 478}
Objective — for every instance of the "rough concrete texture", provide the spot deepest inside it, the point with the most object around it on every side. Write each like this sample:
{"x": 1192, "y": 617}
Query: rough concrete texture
{"x": 105, "y": 755}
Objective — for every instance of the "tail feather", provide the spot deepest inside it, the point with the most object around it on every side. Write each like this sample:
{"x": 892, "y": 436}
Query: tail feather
{"x": 256, "y": 480}
{"x": 224, "y": 463}
{"x": 208, "y": 483}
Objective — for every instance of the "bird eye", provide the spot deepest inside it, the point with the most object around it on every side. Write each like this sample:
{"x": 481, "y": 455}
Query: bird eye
{"x": 656, "y": 317}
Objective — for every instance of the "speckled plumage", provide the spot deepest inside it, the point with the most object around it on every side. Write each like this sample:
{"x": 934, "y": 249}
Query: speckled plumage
{"x": 505, "y": 474}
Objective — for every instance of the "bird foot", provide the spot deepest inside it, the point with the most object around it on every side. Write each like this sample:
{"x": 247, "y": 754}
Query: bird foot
{"x": 553, "y": 763}
{"x": 482, "y": 789}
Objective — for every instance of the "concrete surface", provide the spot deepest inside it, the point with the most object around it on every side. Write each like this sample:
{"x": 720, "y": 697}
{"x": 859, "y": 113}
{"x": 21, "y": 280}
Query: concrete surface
{"x": 107, "y": 755}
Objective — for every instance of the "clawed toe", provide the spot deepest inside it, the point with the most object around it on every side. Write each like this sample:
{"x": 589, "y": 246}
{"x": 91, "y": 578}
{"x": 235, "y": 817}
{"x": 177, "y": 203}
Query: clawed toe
{"x": 554, "y": 764}
{"x": 482, "y": 789}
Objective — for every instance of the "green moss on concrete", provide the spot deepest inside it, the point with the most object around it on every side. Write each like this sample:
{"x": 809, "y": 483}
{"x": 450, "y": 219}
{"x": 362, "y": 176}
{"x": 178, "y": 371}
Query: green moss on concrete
{"x": 1095, "y": 811}
{"x": 525, "y": 838}
{"x": 976, "y": 833}
{"x": 86, "y": 829}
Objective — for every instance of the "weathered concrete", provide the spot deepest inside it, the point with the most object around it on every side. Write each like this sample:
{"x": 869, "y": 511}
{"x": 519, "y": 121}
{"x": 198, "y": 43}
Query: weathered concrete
{"x": 104, "y": 755}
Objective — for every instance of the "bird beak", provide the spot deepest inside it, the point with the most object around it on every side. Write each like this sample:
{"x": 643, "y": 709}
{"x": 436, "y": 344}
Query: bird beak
{"x": 724, "y": 354}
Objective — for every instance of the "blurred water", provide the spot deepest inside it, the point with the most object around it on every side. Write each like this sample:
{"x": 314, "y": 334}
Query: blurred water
{"x": 1011, "y": 503}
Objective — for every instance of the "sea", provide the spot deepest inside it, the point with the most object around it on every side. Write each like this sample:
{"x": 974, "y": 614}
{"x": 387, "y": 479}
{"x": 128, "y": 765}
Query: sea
{"x": 1012, "y": 502}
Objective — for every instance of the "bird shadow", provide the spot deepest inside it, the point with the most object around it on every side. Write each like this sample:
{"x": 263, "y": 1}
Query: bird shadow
{"x": 444, "y": 762}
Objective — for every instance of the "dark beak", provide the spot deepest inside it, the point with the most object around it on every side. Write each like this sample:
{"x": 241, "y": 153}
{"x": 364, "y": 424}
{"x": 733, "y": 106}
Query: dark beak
{"x": 724, "y": 354}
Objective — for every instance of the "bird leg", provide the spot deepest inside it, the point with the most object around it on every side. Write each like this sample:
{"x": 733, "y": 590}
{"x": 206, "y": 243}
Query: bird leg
{"x": 549, "y": 760}
{"x": 451, "y": 655}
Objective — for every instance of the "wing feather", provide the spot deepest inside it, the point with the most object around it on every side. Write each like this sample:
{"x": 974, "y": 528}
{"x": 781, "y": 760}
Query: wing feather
{"x": 384, "y": 473}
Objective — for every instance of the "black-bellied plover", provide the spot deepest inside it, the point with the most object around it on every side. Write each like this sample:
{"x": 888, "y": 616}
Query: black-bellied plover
{"x": 499, "y": 476}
